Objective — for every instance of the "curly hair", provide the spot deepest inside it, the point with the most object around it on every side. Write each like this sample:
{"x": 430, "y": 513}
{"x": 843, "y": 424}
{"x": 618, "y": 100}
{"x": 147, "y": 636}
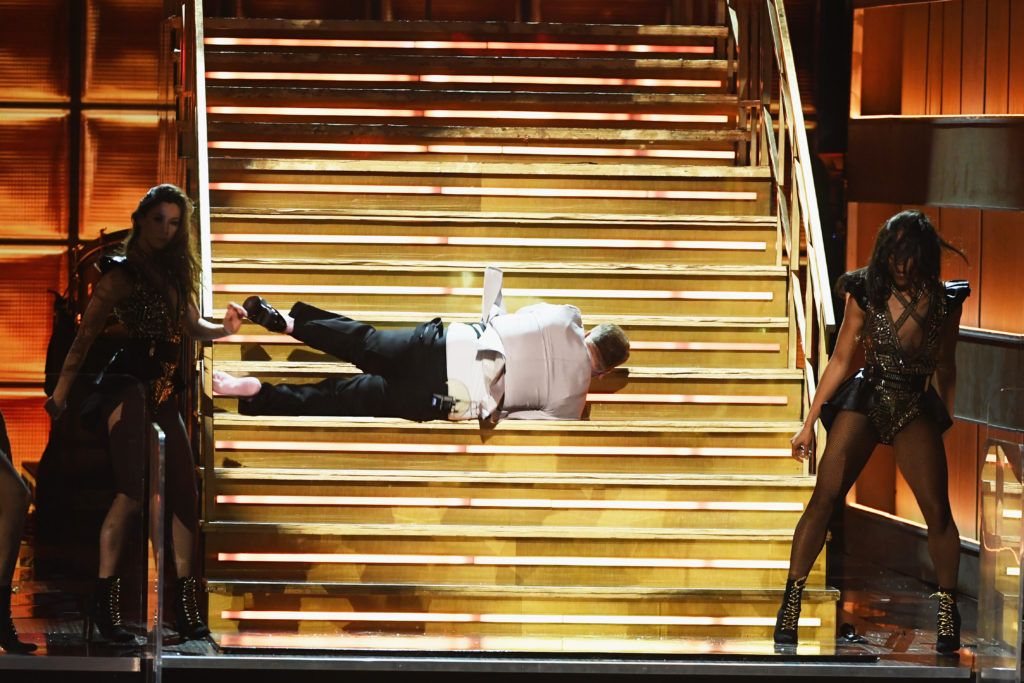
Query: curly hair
{"x": 907, "y": 237}
{"x": 179, "y": 259}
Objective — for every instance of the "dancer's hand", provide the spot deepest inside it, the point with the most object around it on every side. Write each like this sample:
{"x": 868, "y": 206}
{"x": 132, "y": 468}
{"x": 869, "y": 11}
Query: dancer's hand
{"x": 803, "y": 442}
{"x": 233, "y": 316}
{"x": 54, "y": 409}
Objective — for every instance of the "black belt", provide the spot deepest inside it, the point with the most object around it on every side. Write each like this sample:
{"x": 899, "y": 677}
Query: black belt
{"x": 896, "y": 380}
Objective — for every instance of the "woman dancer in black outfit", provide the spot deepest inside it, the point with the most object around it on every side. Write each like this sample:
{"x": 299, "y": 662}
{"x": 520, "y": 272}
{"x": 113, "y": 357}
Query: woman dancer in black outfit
{"x": 152, "y": 290}
{"x": 14, "y": 499}
{"x": 907, "y": 320}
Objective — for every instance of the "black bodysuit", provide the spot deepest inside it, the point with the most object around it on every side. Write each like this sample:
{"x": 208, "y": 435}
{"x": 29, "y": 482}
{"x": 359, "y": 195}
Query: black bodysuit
{"x": 894, "y": 386}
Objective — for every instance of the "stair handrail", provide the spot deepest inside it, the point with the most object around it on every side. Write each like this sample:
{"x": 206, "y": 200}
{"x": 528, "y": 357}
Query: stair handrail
{"x": 760, "y": 37}
{"x": 192, "y": 114}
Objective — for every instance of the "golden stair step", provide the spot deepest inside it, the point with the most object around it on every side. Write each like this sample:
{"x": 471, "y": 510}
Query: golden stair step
{"x": 597, "y": 446}
{"x": 385, "y": 496}
{"x": 477, "y": 610}
{"x": 403, "y": 553}
{"x": 621, "y": 289}
{"x": 643, "y": 393}
{"x": 668, "y": 34}
{"x": 682, "y": 342}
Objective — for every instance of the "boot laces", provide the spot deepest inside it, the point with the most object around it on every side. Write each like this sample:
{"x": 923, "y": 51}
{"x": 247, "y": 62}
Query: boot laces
{"x": 190, "y": 600}
{"x": 114, "y": 602}
{"x": 791, "y": 605}
{"x": 945, "y": 618}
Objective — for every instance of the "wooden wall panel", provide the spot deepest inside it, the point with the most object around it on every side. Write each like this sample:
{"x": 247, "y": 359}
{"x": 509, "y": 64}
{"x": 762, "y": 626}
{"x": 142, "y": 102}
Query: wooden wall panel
{"x": 122, "y": 51}
{"x": 915, "y": 59}
{"x": 26, "y": 273}
{"x": 997, "y": 51}
{"x": 1002, "y": 275}
{"x": 1015, "y": 96}
{"x": 882, "y": 61}
{"x": 933, "y": 76}
{"x": 972, "y": 85}
{"x": 962, "y": 229}
{"x": 952, "y": 34}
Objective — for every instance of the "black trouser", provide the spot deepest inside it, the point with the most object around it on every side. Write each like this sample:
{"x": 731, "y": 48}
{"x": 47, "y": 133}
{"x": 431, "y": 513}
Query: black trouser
{"x": 402, "y": 370}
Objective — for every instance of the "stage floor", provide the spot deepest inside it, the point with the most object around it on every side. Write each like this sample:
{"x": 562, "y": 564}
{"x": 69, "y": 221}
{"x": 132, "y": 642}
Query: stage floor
{"x": 891, "y": 615}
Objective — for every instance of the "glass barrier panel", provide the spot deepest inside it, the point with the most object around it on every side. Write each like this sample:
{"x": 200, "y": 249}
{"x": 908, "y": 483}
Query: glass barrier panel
{"x": 1002, "y": 502}
{"x": 88, "y": 578}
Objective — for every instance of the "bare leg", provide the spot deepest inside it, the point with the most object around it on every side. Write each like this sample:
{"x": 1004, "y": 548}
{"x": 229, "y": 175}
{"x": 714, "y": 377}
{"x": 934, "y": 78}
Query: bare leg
{"x": 921, "y": 457}
{"x": 180, "y": 485}
{"x": 850, "y": 443}
{"x": 14, "y": 500}
{"x": 125, "y": 425}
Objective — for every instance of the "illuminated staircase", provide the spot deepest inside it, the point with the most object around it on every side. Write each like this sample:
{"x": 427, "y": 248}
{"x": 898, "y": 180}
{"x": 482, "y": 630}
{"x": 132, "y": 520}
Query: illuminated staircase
{"x": 374, "y": 169}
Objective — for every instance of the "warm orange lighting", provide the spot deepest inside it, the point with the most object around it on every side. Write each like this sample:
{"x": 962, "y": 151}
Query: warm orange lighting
{"x": 568, "y": 243}
{"x": 672, "y": 645}
{"x": 272, "y": 339}
{"x": 688, "y": 398}
{"x": 465, "y": 114}
{"x": 456, "y": 45}
{"x": 467, "y": 78}
{"x": 16, "y": 392}
{"x": 476, "y": 292}
{"x": 464, "y": 191}
{"x": 538, "y": 503}
{"x": 504, "y": 561}
{"x": 700, "y": 346}
{"x": 492, "y": 449}
{"x": 522, "y": 150}
{"x": 471, "y": 618}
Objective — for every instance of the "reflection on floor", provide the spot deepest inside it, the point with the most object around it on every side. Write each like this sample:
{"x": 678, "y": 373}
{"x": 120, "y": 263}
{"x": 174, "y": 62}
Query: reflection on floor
{"x": 888, "y": 620}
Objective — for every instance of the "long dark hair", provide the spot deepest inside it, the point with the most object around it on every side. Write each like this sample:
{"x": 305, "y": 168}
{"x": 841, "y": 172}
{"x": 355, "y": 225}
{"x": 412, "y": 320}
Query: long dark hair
{"x": 906, "y": 237}
{"x": 179, "y": 259}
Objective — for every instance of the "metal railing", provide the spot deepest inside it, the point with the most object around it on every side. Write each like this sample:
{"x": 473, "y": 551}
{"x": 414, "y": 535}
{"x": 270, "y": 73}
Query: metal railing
{"x": 766, "y": 81}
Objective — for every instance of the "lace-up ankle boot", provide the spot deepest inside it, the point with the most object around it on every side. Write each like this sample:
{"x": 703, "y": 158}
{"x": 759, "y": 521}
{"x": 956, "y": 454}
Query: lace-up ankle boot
{"x": 789, "y": 613}
{"x": 186, "y": 608}
{"x": 105, "y": 613}
{"x": 947, "y": 626}
{"x": 8, "y": 634}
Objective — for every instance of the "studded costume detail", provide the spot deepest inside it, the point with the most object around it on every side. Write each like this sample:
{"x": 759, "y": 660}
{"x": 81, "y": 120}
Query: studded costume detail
{"x": 894, "y": 386}
{"x": 154, "y": 331}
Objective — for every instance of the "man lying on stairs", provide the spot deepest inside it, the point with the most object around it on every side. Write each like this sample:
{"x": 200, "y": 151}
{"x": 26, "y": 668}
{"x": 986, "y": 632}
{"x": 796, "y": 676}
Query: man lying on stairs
{"x": 533, "y": 364}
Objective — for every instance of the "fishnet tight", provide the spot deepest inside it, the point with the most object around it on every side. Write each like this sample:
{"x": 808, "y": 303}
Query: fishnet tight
{"x": 921, "y": 458}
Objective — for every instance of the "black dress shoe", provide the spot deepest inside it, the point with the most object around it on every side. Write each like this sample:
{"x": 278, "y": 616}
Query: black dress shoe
{"x": 262, "y": 313}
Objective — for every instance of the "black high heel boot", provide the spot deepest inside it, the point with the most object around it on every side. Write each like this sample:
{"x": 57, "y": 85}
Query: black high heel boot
{"x": 8, "y": 634}
{"x": 105, "y": 612}
{"x": 947, "y": 627}
{"x": 788, "y": 616}
{"x": 188, "y": 619}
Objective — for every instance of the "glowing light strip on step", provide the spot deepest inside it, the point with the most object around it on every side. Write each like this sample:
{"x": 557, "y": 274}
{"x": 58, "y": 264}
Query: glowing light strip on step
{"x": 1011, "y": 514}
{"x": 708, "y": 399}
{"x": 475, "y": 292}
{"x": 538, "y": 503}
{"x": 1013, "y": 571}
{"x": 494, "y": 449}
{"x": 281, "y": 339}
{"x": 466, "y": 191}
{"x": 236, "y": 110}
{"x": 395, "y": 148}
{"x": 549, "y": 242}
{"x": 19, "y": 392}
{"x": 464, "y": 78}
{"x": 503, "y": 561}
{"x": 472, "y": 618}
{"x": 673, "y": 645}
{"x": 457, "y": 45}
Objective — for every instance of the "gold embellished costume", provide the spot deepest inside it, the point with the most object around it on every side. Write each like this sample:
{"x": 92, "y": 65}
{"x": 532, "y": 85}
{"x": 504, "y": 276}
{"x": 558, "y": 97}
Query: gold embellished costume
{"x": 894, "y": 386}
